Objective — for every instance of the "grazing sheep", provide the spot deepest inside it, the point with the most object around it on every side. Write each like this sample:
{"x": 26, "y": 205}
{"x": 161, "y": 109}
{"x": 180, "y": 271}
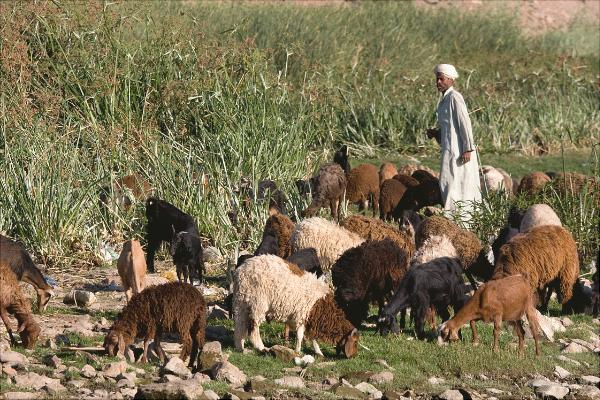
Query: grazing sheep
{"x": 422, "y": 175}
{"x": 307, "y": 260}
{"x": 434, "y": 247}
{"x": 543, "y": 254}
{"x": 575, "y": 184}
{"x": 277, "y": 235}
{"x": 363, "y": 187}
{"x": 13, "y": 301}
{"x": 426, "y": 193}
{"x": 387, "y": 171}
{"x": 126, "y": 189}
{"x": 373, "y": 229}
{"x": 389, "y": 196}
{"x": 437, "y": 283}
{"x": 406, "y": 180}
{"x": 330, "y": 186}
{"x": 186, "y": 250}
{"x": 21, "y": 264}
{"x": 171, "y": 307}
{"x": 504, "y": 236}
{"x": 328, "y": 239}
{"x": 495, "y": 180}
{"x": 132, "y": 268}
{"x": 471, "y": 255}
{"x": 408, "y": 169}
{"x": 164, "y": 221}
{"x": 269, "y": 288}
{"x": 367, "y": 274}
{"x": 506, "y": 299}
{"x": 533, "y": 183}
{"x": 537, "y": 215}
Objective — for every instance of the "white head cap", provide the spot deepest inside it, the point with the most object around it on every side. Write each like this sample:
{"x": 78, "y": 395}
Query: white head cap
{"x": 446, "y": 69}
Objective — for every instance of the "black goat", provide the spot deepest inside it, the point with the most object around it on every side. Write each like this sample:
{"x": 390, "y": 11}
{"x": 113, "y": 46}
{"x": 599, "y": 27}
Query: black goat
{"x": 438, "y": 283}
{"x": 341, "y": 157}
{"x": 164, "y": 221}
{"x": 186, "y": 250}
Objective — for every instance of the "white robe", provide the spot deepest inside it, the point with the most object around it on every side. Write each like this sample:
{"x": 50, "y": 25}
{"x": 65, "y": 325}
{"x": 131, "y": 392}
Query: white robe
{"x": 458, "y": 181}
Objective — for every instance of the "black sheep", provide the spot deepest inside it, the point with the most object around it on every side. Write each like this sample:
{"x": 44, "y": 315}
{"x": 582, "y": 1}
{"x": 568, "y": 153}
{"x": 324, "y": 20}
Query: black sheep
{"x": 186, "y": 250}
{"x": 164, "y": 221}
{"x": 341, "y": 157}
{"x": 438, "y": 283}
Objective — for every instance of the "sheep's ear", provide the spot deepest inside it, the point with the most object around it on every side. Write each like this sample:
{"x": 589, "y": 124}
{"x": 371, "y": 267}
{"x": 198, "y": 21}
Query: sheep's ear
{"x": 351, "y": 344}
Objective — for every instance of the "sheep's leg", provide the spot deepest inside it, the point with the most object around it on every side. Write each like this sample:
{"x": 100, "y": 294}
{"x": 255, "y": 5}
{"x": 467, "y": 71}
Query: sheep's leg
{"x": 255, "y": 338}
{"x": 375, "y": 203}
{"x": 299, "y": 337}
{"x": 521, "y": 334}
{"x": 403, "y": 319}
{"x": 179, "y": 272}
{"x": 497, "y": 329}
{"x": 475, "y": 338}
{"x": 317, "y": 348}
{"x": 286, "y": 333}
{"x": 144, "y": 358}
{"x": 239, "y": 331}
{"x": 546, "y": 298}
{"x": 159, "y": 350}
{"x": 534, "y": 326}
{"x": 4, "y": 316}
{"x": 186, "y": 341}
{"x": 153, "y": 244}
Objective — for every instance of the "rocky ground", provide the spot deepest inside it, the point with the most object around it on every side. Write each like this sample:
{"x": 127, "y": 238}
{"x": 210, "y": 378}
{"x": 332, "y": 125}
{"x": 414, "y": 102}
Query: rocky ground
{"x": 68, "y": 361}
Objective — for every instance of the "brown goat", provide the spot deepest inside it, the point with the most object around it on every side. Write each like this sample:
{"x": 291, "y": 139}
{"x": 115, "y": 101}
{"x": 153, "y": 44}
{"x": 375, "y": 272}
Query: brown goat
{"x": 330, "y": 186}
{"x": 12, "y": 301}
{"x": 132, "y": 268}
{"x": 387, "y": 171}
{"x": 533, "y": 183}
{"x": 543, "y": 254}
{"x": 505, "y": 299}
{"x": 173, "y": 306}
{"x": 389, "y": 197}
{"x": 374, "y": 229}
{"x": 363, "y": 187}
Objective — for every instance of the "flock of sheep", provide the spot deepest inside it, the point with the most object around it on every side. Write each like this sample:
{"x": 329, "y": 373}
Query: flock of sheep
{"x": 320, "y": 277}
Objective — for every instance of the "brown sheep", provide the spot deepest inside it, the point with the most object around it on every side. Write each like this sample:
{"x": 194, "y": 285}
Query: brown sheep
{"x": 374, "y": 229}
{"x": 171, "y": 307}
{"x": 389, "y": 196}
{"x": 330, "y": 185}
{"x": 277, "y": 235}
{"x": 533, "y": 183}
{"x": 577, "y": 185}
{"x": 506, "y": 299}
{"x": 406, "y": 180}
{"x": 363, "y": 187}
{"x": 387, "y": 171}
{"x": 408, "y": 169}
{"x": 471, "y": 255}
{"x": 132, "y": 268}
{"x": 13, "y": 301}
{"x": 544, "y": 254}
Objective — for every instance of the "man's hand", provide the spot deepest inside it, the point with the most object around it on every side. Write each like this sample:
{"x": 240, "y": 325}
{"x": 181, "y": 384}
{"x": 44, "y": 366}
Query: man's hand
{"x": 466, "y": 156}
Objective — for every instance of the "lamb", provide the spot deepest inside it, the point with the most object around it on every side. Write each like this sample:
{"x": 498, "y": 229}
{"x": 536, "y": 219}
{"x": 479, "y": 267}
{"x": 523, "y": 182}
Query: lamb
{"x": 537, "y": 215}
{"x": 13, "y": 301}
{"x": 21, "y": 264}
{"x": 505, "y": 299}
{"x": 186, "y": 250}
{"x": 171, "y": 307}
{"x": 328, "y": 239}
{"x": 373, "y": 229}
{"x": 389, "y": 196}
{"x": 387, "y": 171}
{"x": 277, "y": 235}
{"x": 543, "y": 254}
{"x": 164, "y": 221}
{"x": 437, "y": 283}
{"x": 426, "y": 193}
{"x": 363, "y": 187}
{"x": 330, "y": 186}
{"x": 132, "y": 268}
{"x": 367, "y": 274}
{"x": 533, "y": 183}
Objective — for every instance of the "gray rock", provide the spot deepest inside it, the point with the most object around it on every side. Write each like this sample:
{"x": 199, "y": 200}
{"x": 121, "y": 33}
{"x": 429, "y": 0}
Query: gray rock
{"x": 574, "y": 348}
{"x": 12, "y": 358}
{"x": 80, "y": 298}
{"x": 126, "y": 383}
{"x": 567, "y": 359}
{"x": 330, "y": 381}
{"x": 21, "y": 395}
{"x": 112, "y": 370}
{"x": 176, "y": 366}
{"x": 283, "y": 353}
{"x": 588, "y": 392}
{"x": 369, "y": 389}
{"x": 586, "y": 344}
{"x": 349, "y": 393}
{"x": 230, "y": 373}
{"x": 211, "y": 255}
{"x": 200, "y": 378}
{"x": 291, "y": 382}
{"x": 30, "y": 380}
{"x": 451, "y": 394}
{"x": 435, "y": 381}
{"x": 53, "y": 361}
{"x": 78, "y": 383}
{"x": 217, "y": 332}
{"x": 561, "y": 373}
{"x": 566, "y": 321}
{"x": 381, "y": 377}
{"x": 590, "y": 379}
{"x": 211, "y": 355}
{"x": 494, "y": 391}
{"x": 170, "y": 390}
{"x": 169, "y": 378}
{"x": 101, "y": 393}
{"x": 128, "y": 393}
{"x": 552, "y": 391}
{"x": 54, "y": 386}
{"x": 537, "y": 382}
{"x": 209, "y": 395}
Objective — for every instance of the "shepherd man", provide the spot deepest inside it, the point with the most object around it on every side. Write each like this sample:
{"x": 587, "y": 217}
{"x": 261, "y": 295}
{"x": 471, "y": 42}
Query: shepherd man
{"x": 459, "y": 172}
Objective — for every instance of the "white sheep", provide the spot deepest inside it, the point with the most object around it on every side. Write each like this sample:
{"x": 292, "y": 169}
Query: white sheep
{"x": 328, "y": 239}
{"x": 268, "y": 288}
{"x": 537, "y": 215}
{"x": 434, "y": 247}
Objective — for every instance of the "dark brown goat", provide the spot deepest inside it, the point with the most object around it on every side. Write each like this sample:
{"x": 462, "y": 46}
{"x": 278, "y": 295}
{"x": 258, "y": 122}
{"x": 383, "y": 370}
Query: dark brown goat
{"x": 390, "y": 194}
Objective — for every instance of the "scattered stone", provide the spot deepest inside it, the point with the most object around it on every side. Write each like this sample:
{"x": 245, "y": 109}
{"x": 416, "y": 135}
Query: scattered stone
{"x": 330, "y": 381}
{"x": 77, "y": 383}
{"x": 451, "y": 394}
{"x": 551, "y": 391}
{"x": 588, "y": 392}
{"x": 8, "y": 370}
{"x": 283, "y": 353}
{"x": 391, "y": 395}
{"x": 482, "y": 377}
{"x": 112, "y": 370}
{"x": 176, "y": 366}
{"x": 200, "y": 378}
{"x": 435, "y": 381}
{"x": 260, "y": 384}
{"x": 209, "y": 395}
{"x": 230, "y": 373}
{"x": 54, "y": 386}
{"x": 304, "y": 361}
{"x": 217, "y": 312}
{"x": 211, "y": 254}
{"x": 561, "y": 373}
{"x": 30, "y": 380}
{"x": 128, "y": 392}
{"x": 587, "y": 345}
{"x": 381, "y": 377}
{"x": 360, "y": 376}
{"x": 494, "y": 391}
{"x": 20, "y": 395}
{"x": 349, "y": 393}
{"x": 80, "y": 298}
{"x": 170, "y": 390}
{"x": 53, "y": 361}
{"x": 291, "y": 382}
{"x": 367, "y": 388}
{"x": 590, "y": 379}
{"x": 12, "y": 358}
{"x": 293, "y": 370}
{"x": 169, "y": 378}
{"x": 566, "y": 321}
{"x": 574, "y": 348}
{"x": 567, "y": 359}
{"x": 101, "y": 393}
{"x": 211, "y": 355}
{"x": 537, "y": 382}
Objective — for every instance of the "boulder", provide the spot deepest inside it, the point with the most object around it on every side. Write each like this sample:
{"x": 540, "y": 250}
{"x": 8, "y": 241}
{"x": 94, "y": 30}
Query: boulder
{"x": 88, "y": 371}
{"x": 369, "y": 389}
{"x": 381, "y": 377}
{"x": 12, "y": 358}
{"x": 451, "y": 394}
{"x": 548, "y": 326}
{"x": 283, "y": 353}
{"x": 230, "y": 373}
{"x": 176, "y": 366}
{"x": 209, "y": 395}
{"x": 552, "y": 391}
{"x": 349, "y": 393}
{"x": 590, "y": 379}
{"x": 80, "y": 298}
{"x": 211, "y": 255}
{"x": 112, "y": 370}
{"x": 290, "y": 382}
{"x": 211, "y": 355}
{"x": 588, "y": 392}
{"x": 561, "y": 373}
{"x": 574, "y": 347}
{"x": 170, "y": 391}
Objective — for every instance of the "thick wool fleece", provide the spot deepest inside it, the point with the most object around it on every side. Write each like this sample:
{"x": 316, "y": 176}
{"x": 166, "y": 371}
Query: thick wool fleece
{"x": 538, "y": 215}
{"x": 280, "y": 227}
{"x": 363, "y": 185}
{"x": 327, "y": 238}
{"x": 543, "y": 254}
{"x": 374, "y": 229}
{"x": 434, "y": 247}
{"x": 389, "y": 196}
{"x": 533, "y": 183}
{"x": 386, "y": 171}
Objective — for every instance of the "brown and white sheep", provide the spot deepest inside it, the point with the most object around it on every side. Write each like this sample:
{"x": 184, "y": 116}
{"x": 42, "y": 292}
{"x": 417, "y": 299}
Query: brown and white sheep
{"x": 543, "y": 254}
{"x": 13, "y": 301}
{"x": 363, "y": 187}
{"x": 533, "y": 183}
{"x": 390, "y": 194}
{"x": 538, "y": 215}
{"x": 267, "y": 288}
{"x": 506, "y": 299}
{"x": 386, "y": 171}
{"x": 374, "y": 229}
{"x": 132, "y": 268}
{"x": 171, "y": 307}
{"x": 330, "y": 186}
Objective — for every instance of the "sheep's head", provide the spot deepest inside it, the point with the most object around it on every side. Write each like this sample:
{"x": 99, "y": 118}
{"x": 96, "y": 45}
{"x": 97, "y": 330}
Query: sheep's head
{"x": 29, "y": 331}
{"x": 43, "y": 297}
{"x": 409, "y": 222}
{"x": 341, "y": 157}
{"x": 387, "y": 323}
{"x": 114, "y": 343}
{"x": 449, "y": 333}
{"x": 349, "y": 344}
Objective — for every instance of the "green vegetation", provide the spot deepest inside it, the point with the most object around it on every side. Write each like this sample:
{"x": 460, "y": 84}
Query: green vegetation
{"x": 93, "y": 92}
